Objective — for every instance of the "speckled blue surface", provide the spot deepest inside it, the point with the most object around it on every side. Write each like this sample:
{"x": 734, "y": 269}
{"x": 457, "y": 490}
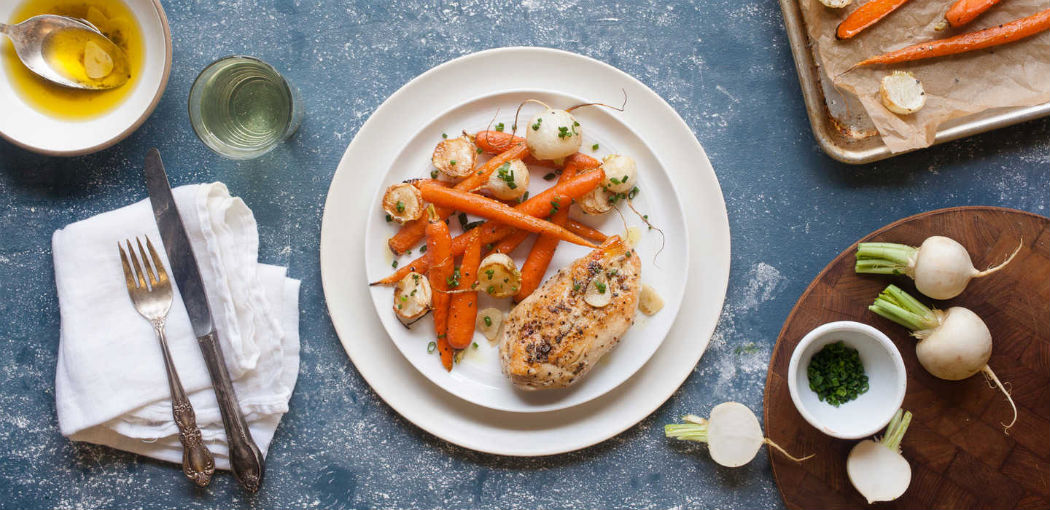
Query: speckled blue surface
{"x": 724, "y": 65}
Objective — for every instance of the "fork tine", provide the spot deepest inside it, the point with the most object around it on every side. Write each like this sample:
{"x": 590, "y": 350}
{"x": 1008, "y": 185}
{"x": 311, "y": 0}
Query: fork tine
{"x": 135, "y": 263}
{"x": 146, "y": 263}
{"x": 162, "y": 274}
{"x": 128, "y": 277}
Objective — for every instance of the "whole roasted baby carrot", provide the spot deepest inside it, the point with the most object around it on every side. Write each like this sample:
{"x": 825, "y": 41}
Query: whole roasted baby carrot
{"x": 463, "y": 309}
{"x": 994, "y": 36}
{"x": 866, "y": 16}
{"x": 587, "y": 232}
{"x": 964, "y": 11}
{"x": 510, "y": 243}
{"x": 439, "y": 246}
{"x": 542, "y": 251}
{"x": 412, "y": 232}
{"x": 497, "y": 211}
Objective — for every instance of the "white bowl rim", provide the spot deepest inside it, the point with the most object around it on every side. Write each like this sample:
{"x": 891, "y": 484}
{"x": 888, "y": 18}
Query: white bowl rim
{"x": 868, "y": 331}
{"x": 134, "y": 125}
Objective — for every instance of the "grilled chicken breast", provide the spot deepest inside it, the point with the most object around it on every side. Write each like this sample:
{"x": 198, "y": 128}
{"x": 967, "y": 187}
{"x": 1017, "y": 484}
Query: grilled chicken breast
{"x": 554, "y": 336}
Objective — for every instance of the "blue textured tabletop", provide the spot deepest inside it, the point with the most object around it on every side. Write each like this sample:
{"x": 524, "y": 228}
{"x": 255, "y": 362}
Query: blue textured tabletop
{"x": 724, "y": 65}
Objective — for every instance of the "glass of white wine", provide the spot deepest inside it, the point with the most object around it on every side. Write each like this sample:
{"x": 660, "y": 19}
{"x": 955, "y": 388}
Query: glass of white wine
{"x": 241, "y": 107}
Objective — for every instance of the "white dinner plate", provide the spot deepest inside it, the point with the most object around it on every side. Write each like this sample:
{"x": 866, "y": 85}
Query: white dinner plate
{"x": 344, "y": 255}
{"x": 478, "y": 378}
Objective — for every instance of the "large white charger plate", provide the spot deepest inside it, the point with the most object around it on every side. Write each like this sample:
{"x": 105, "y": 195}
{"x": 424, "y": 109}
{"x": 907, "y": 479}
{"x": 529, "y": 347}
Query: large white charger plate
{"x": 665, "y": 259}
{"x": 363, "y": 169}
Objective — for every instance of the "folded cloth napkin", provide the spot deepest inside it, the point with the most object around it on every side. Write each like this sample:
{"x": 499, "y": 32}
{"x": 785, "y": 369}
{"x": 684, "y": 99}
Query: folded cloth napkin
{"x": 110, "y": 383}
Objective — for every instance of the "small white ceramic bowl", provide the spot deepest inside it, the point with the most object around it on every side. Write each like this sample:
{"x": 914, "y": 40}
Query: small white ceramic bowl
{"x": 873, "y": 409}
{"x": 28, "y": 128}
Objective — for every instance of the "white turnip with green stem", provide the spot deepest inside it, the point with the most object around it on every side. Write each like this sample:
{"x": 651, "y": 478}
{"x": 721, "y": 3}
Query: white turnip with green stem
{"x": 876, "y": 468}
{"x": 953, "y": 344}
{"x": 555, "y": 134}
{"x": 732, "y": 434}
{"x": 941, "y": 267}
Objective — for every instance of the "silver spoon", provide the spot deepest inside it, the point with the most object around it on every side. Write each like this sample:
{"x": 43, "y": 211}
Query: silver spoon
{"x": 33, "y": 37}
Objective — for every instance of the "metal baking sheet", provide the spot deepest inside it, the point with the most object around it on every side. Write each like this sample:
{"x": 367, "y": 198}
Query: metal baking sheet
{"x": 839, "y": 123}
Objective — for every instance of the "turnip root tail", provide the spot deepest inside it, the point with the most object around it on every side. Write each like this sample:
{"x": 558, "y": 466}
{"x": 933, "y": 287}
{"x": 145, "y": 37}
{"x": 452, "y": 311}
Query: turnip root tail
{"x": 770, "y": 442}
{"x": 993, "y": 379}
{"x": 991, "y": 270}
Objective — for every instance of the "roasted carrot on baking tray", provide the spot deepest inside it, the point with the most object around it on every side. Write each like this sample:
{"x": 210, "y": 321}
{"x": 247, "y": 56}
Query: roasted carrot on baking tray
{"x": 866, "y": 16}
{"x": 964, "y": 11}
{"x": 994, "y": 36}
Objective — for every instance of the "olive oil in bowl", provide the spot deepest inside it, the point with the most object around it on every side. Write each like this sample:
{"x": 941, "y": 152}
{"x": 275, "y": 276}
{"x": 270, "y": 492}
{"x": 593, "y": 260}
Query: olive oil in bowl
{"x": 115, "y": 21}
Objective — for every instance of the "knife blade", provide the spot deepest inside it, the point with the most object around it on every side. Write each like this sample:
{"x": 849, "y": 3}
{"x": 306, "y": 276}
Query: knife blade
{"x": 245, "y": 458}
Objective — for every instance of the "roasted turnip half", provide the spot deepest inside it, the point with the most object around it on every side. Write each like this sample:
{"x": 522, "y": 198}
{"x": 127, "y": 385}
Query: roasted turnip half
{"x": 412, "y": 297}
{"x": 732, "y": 434}
{"x": 902, "y": 93}
{"x": 403, "y": 202}
{"x": 454, "y": 158}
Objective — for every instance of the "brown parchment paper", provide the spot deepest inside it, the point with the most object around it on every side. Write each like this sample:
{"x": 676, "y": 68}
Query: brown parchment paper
{"x": 1012, "y": 75}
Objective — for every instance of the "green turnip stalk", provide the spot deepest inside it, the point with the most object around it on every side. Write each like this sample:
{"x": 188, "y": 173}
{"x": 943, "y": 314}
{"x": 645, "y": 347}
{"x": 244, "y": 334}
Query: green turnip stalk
{"x": 953, "y": 344}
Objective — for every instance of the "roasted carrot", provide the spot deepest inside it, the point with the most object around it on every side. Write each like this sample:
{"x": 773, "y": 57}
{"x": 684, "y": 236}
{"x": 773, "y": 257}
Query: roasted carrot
{"x": 542, "y": 251}
{"x": 994, "y": 36}
{"x": 510, "y": 243}
{"x": 497, "y": 211}
{"x": 538, "y": 206}
{"x": 412, "y": 232}
{"x": 585, "y": 231}
{"x": 439, "y": 247}
{"x": 463, "y": 309}
{"x": 964, "y": 11}
{"x": 495, "y": 142}
{"x": 866, "y": 16}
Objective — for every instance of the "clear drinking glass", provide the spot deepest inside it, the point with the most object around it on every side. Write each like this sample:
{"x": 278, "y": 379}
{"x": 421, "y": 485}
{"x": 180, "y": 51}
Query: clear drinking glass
{"x": 242, "y": 108}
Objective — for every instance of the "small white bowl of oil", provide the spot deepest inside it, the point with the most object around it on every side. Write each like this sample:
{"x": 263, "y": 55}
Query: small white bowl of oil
{"x": 55, "y": 120}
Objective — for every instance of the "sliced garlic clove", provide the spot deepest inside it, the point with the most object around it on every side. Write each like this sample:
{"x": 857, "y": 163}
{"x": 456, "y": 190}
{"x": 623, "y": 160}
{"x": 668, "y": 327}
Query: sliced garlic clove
{"x": 598, "y": 293}
{"x": 97, "y": 62}
{"x": 836, "y": 4}
{"x": 490, "y": 328}
{"x": 649, "y": 302}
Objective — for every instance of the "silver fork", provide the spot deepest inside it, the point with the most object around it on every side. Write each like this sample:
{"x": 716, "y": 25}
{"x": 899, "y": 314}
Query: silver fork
{"x": 153, "y": 302}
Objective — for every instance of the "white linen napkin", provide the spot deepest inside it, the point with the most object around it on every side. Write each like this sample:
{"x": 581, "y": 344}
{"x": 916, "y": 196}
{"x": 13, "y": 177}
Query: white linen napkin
{"x": 110, "y": 382}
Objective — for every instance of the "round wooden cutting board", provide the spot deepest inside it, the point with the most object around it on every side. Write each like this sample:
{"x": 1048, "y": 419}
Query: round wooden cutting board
{"x": 959, "y": 455}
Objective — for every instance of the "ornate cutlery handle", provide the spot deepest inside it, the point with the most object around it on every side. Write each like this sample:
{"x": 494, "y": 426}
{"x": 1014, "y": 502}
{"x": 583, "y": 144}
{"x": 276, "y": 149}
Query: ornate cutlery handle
{"x": 197, "y": 462}
{"x": 245, "y": 458}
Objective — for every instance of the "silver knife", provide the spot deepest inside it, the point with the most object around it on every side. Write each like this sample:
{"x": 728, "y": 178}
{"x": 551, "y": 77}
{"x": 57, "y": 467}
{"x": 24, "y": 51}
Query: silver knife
{"x": 245, "y": 458}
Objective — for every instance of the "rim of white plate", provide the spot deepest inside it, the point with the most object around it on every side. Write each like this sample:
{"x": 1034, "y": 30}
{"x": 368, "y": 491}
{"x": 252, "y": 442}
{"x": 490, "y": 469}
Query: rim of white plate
{"x": 492, "y": 431}
{"x": 627, "y": 365}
